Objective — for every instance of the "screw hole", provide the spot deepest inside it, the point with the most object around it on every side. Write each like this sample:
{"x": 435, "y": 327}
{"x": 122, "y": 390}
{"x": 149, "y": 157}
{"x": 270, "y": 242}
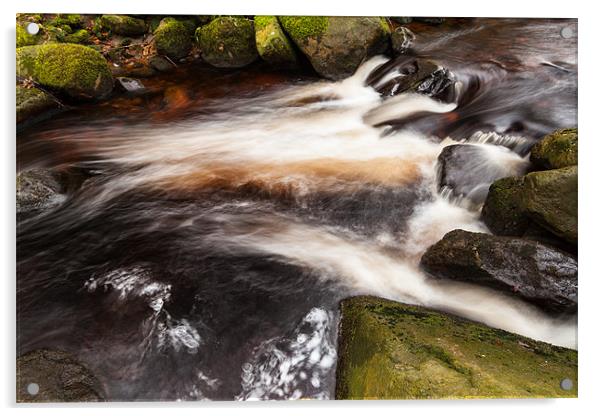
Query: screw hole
{"x": 33, "y": 28}
{"x": 33, "y": 388}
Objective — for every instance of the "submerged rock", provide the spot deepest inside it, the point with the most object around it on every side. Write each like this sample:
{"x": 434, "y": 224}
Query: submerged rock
{"x": 123, "y": 25}
{"x": 54, "y": 376}
{"x": 389, "y": 350}
{"x": 272, "y": 44}
{"x": 336, "y": 46}
{"x": 538, "y": 273}
{"x": 468, "y": 170}
{"x": 556, "y": 150}
{"x": 228, "y": 42}
{"x": 32, "y": 102}
{"x": 75, "y": 70}
{"x": 37, "y": 190}
{"x": 173, "y": 38}
{"x": 401, "y": 39}
{"x": 550, "y": 199}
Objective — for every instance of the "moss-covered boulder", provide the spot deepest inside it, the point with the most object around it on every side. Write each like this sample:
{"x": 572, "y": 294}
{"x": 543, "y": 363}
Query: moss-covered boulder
{"x": 538, "y": 273}
{"x": 336, "y": 46}
{"x": 173, "y": 38}
{"x": 556, "y": 150}
{"x": 272, "y": 44}
{"x": 503, "y": 211}
{"x": 32, "y": 102}
{"x": 389, "y": 350}
{"x": 81, "y": 36}
{"x": 123, "y": 25}
{"x": 75, "y": 70}
{"x": 55, "y": 376}
{"x": 228, "y": 42}
{"x": 71, "y": 20}
{"x": 550, "y": 199}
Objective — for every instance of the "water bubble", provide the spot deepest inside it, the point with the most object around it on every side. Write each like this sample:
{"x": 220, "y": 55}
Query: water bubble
{"x": 33, "y": 28}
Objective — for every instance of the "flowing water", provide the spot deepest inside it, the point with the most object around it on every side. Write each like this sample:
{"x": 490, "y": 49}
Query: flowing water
{"x": 203, "y": 253}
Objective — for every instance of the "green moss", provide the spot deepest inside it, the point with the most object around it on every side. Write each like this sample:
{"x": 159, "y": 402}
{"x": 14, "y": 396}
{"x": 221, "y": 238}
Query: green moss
{"x": 228, "y": 42}
{"x": 173, "y": 38}
{"x": 272, "y": 44}
{"x": 123, "y": 25}
{"x": 81, "y": 36}
{"x": 556, "y": 150}
{"x": 72, "y": 20}
{"x": 31, "y": 102}
{"x": 24, "y": 38}
{"x": 389, "y": 350}
{"x": 76, "y": 70}
{"x": 302, "y": 27}
{"x": 384, "y": 23}
{"x": 503, "y": 211}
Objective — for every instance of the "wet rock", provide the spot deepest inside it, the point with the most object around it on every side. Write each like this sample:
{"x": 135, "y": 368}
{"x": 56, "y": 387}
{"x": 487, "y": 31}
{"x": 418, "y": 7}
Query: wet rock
{"x": 174, "y": 38}
{"x": 58, "y": 376}
{"x": 74, "y": 70}
{"x": 272, "y": 44}
{"x": 390, "y": 350}
{"x": 556, "y": 150}
{"x": 336, "y": 46}
{"x": 160, "y": 63}
{"x": 402, "y": 20}
{"x": 131, "y": 85}
{"x": 32, "y": 102}
{"x": 538, "y": 273}
{"x": 406, "y": 73}
{"x": 468, "y": 170}
{"x": 550, "y": 199}
{"x": 429, "y": 20}
{"x": 228, "y": 42}
{"x": 503, "y": 211}
{"x": 123, "y": 25}
{"x": 37, "y": 191}
{"x": 401, "y": 39}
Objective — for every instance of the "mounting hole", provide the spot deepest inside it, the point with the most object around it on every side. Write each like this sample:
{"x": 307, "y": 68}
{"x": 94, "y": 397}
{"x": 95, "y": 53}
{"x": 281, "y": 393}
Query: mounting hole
{"x": 33, "y": 388}
{"x": 567, "y": 32}
{"x": 33, "y": 28}
{"x": 566, "y": 384}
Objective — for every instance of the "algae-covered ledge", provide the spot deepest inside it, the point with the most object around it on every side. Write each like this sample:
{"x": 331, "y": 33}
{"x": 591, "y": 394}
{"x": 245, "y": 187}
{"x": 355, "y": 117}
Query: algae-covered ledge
{"x": 390, "y": 350}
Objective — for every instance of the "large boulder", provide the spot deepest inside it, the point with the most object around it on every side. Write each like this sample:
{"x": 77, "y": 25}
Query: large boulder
{"x": 123, "y": 25}
{"x": 550, "y": 199}
{"x": 272, "y": 44}
{"x": 55, "y": 376}
{"x": 538, "y": 273}
{"x": 389, "y": 350}
{"x": 37, "y": 190}
{"x": 503, "y": 211}
{"x": 556, "y": 150}
{"x": 32, "y": 102}
{"x": 174, "y": 38}
{"x": 228, "y": 42}
{"x": 468, "y": 170}
{"x": 75, "y": 70}
{"x": 336, "y": 46}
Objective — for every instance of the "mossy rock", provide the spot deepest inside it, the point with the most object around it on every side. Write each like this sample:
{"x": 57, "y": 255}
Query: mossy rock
{"x": 123, "y": 25}
{"x": 336, "y": 46}
{"x": 81, "y": 36}
{"x": 503, "y": 211}
{"x": 32, "y": 102}
{"x": 24, "y": 38}
{"x": 71, "y": 20}
{"x": 75, "y": 70}
{"x": 173, "y": 38}
{"x": 272, "y": 44}
{"x": 228, "y": 42}
{"x": 556, "y": 150}
{"x": 59, "y": 376}
{"x": 389, "y": 350}
{"x": 550, "y": 199}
